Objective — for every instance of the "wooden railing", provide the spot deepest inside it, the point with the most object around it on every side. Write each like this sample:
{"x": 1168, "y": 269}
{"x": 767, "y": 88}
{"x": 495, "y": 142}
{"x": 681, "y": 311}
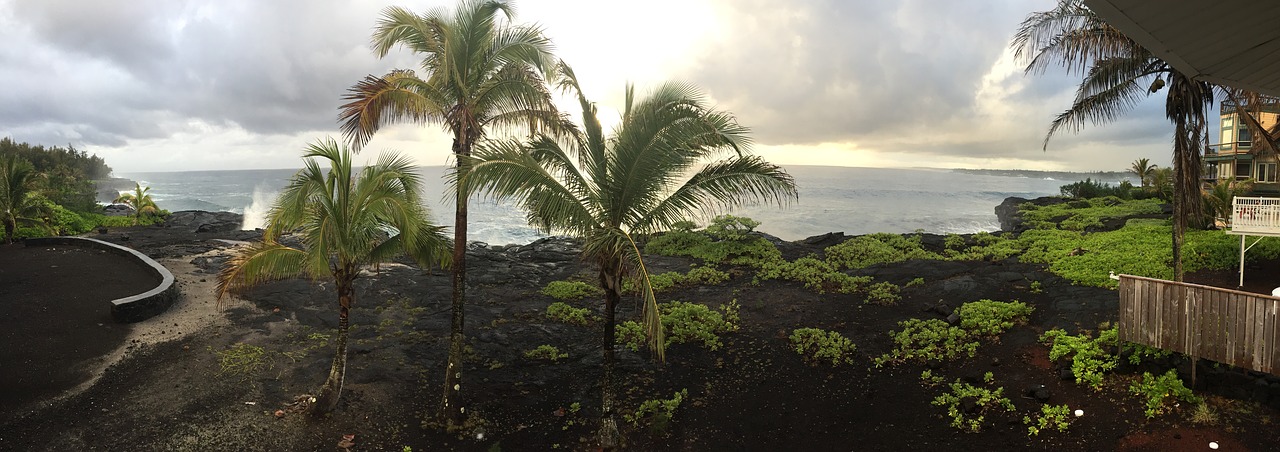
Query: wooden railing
{"x": 1255, "y": 215}
{"x": 1223, "y": 325}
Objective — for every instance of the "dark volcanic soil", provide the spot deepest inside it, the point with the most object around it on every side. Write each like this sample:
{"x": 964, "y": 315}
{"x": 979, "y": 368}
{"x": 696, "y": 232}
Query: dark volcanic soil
{"x": 754, "y": 393}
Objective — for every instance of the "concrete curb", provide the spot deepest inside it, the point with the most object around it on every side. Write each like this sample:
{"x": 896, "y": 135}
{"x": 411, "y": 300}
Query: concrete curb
{"x": 134, "y": 308}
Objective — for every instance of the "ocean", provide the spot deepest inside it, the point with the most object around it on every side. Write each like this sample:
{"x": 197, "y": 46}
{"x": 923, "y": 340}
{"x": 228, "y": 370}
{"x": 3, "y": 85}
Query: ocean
{"x": 832, "y": 199}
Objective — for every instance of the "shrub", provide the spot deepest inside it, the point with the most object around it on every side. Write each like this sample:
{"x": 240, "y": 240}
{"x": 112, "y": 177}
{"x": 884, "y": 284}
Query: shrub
{"x": 867, "y": 250}
{"x": 816, "y": 275}
{"x": 1160, "y": 393}
{"x": 570, "y": 290}
{"x": 1056, "y": 417}
{"x": 981, "y": 399}
{"x": 817, "y": 346}
{"x": 682, "y": 323}
{"x": 1090, "y": 360}
{"x": 546, "y": 353}
{"x": 990, "y": 318}
{"x": 883, "y": 293}
{"x": 729, "y": 227}
{"x": 561, "y": 312}
{"x": 953, "y": 242}
{"x": 661, "y": 410}
{"x": 928, "y": 340}
{"x": 705, "y": 274}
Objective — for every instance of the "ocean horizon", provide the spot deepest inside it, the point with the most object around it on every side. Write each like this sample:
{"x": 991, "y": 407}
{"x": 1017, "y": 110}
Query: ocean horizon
{"x": 851, "y": 200}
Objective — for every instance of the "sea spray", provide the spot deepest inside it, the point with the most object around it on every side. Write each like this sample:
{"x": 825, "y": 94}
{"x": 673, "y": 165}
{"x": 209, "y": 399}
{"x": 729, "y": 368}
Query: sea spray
{"x": 255, "y": 214}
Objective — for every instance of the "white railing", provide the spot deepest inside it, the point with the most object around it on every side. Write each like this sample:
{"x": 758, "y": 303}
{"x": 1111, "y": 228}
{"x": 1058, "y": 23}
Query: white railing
{"x": 1255, "y": 215}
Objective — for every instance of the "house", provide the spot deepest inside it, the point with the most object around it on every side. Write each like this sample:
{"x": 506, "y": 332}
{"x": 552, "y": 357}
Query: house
{"x": 1237, "y": 156}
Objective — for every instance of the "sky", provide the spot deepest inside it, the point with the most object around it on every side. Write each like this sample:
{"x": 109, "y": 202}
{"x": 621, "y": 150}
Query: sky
{"x": 175, "y": 85}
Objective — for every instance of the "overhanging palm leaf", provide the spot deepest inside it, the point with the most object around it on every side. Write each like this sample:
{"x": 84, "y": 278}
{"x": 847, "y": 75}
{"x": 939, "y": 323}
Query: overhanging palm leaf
{"x": 659, "y": 166}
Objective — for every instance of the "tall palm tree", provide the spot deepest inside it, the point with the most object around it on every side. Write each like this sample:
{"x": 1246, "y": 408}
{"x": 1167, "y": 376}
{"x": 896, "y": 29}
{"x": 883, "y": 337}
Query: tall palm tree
{"x": 345, "y": 221}
{"x": 1142, "y": 168}
{"x": 1118, "y": 74}
{"x": 477, "y": 74}
{"x": 671, "y": 158}
{"x": 18, "y": 201}
{"x": 140, "y": 200}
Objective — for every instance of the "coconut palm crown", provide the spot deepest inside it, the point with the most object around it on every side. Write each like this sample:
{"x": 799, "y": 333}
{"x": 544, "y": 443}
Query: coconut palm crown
{"x": 1142, "y": 168}
{"x": 478, "y": 73}
{"x": 345, "y": 221}
{"x": 1118, "y": 74}
{"x": 140, "y": 200}
{"x": 670, "y": 159}
{"x": 19, "y": 204}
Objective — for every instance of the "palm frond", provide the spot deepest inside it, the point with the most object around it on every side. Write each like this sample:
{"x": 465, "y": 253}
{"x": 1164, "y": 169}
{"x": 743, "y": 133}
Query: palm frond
{"x": 260, "y": 262}
{"x": 722, "y": 185}
{"x": 1101, "y": 101}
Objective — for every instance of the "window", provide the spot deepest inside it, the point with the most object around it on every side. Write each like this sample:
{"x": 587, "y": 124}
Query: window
{"x": 1265, "y": 172}
{"x": 1243, "y": 170}
{"x": 1244, "y": 138}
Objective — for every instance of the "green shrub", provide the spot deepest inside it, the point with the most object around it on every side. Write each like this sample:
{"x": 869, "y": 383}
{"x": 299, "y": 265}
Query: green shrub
{"x": 630, "y": 334}
{"x": 867, "y": 250}
{"x": 883, "y": 293}
{"x": 729, "y": 227}
{"x": 927, "y": 378}
{"x": 928, "y": 340}
{"x": 914, "y": 282}
{"x": 1160, "y": 393}
{"x": 953, "y": 242}
{"x": 990, "y": 318}
{"x": 684, "y": 323}
{"x": 1090, "y": 360}
{"x": 571, "y": 290}
{"x": 816, "y": 275}
{"x": 1057, "y": 417}
{"x": 546, "y": 353}
{"x": 661, "y": 410}
{"x": 817, "y": 345}
{"x": 561, "y": 312}
{"x": 677, "y": 243}
{"x": 983, "y": 400}
{"x": 705, "y": 274}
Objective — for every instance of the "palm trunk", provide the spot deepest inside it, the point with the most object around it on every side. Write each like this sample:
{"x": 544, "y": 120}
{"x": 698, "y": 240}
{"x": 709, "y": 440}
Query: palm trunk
{"x": 608, "y": 434}
{"x": 1179, "y": 196}
{"x": 451, "y": 409}
{"x": 9, "y": 228}
{"x": 327, "y": 399}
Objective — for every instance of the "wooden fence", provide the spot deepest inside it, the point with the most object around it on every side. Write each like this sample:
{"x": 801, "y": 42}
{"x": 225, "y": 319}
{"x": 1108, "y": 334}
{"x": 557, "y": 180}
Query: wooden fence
{"x": 1223, "y": 325}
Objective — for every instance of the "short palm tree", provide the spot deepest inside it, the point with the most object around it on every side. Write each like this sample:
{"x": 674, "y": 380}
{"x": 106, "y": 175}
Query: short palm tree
{"x": 1118, "y": 74}
{"x": 671, "y": 158}
{"x": 345, "y": 221}
{"x": 1220, "y": 196}
{"x": 477, "y": 74}
{"x": 140, "y": 200}
{"x": 1142, "y": 168}
{"x": 19, "y": 204}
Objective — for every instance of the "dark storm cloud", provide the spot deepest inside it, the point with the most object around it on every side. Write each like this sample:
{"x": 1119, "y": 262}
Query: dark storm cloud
{"x": 112, "y": 71}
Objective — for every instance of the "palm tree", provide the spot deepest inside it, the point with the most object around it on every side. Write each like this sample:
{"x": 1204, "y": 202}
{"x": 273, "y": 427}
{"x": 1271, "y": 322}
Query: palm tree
{"x": 1142, "y": 168}
{"x": 1219, "y": 197}
{"x": 478, "y": 74}
{"x": 140, "y": 201}
{"x": 19, "y": 204}
{"x": 345, "y": 221}
{"x": 1118, "y": 74}
{"x": 671, "y": 158}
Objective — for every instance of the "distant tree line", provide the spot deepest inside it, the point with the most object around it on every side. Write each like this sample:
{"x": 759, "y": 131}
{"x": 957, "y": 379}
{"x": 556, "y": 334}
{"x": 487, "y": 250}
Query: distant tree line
{"x": 63, "y": 175}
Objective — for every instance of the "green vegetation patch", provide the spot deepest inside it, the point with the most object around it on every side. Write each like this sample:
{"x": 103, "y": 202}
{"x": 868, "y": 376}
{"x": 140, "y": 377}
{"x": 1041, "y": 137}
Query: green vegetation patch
{"x": 881, "y": 248}
{"x": 937, "y": 340}
{"x": 1090, "y": 358}
{"x": 242, "y": 360}
{"x": 658, "y": 411}
{"x": 571, "y": 290}
{"x": 991, "y": 318}
{"x": 817, "y": 346}
{"x": 562, "y": 312}
{"x": 545, "y": 353}
{"x": 684, "y": 323}
{"x": 1162, "y": 393}
{"x": 1056, "y": 417}
{"x": 1078, "y": 215}
{"x": 982, "y": 400}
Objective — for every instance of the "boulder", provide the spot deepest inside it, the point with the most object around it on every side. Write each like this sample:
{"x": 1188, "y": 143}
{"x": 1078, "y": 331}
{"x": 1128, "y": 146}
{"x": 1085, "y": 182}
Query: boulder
{"x": 205, "y": 222}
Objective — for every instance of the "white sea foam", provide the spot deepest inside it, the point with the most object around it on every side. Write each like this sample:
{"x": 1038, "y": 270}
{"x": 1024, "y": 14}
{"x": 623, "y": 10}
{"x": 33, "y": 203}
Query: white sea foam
{"x": 255, "y": 214}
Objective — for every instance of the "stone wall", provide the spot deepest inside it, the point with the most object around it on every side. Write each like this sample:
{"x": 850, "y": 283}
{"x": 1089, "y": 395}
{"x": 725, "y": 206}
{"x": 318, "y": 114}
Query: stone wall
{"x": 128, "y": 309}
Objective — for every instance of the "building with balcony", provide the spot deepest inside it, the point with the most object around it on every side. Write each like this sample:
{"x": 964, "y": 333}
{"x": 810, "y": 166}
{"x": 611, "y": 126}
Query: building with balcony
{"x": 1234, "y": 157}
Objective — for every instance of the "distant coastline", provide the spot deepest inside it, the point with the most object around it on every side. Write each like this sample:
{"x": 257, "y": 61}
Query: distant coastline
{"x": 1065, "y": 176}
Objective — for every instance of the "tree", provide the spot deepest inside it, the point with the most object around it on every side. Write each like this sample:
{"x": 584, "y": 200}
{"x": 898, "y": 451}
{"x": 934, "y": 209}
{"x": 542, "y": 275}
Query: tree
{"x": 140, "y": 200}
{"x": 343, "y": 221}
{"x": 1118, "y": 74}
{"x": 607, "y": 190}
{"x": 1142, "y": 168}
{"x": 1219, "y": 198}
{"x": 478, "y": 74}
{"x": 18, "y": 202}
